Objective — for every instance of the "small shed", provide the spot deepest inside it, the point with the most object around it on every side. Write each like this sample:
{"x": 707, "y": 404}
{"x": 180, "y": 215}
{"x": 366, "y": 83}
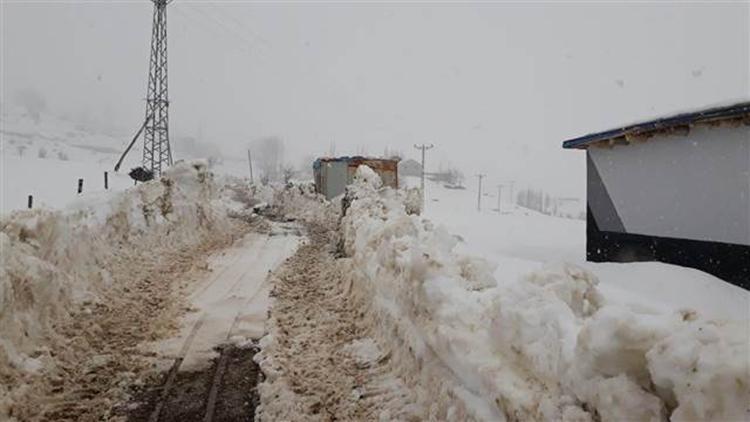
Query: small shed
{"x": 333, "y": 174}
{"x": 674, "y": 189}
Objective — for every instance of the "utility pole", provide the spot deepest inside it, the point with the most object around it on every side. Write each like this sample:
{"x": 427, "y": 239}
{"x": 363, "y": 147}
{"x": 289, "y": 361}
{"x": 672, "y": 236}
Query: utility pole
{"x": 512, "y": 198}
{"x": 499, "y": 195}
{"x": 250, "y": 163}
{"x": 479, "y": 192}
{"x": 423, "y": 147}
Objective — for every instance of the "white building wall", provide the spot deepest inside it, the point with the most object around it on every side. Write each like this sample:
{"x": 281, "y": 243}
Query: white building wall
{"x": 692, "y": 187}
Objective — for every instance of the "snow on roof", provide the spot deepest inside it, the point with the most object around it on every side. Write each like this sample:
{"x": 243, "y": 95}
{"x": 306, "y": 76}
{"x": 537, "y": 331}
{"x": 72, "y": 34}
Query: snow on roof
{"x": 678, "y": 123}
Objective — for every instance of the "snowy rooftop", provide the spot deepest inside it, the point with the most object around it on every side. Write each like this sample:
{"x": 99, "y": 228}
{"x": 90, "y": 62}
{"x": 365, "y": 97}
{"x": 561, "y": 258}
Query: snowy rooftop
{"x": 665, "y": 125}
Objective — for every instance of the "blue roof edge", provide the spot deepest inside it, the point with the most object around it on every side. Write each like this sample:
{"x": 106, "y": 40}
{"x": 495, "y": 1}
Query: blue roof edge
{"x": 727, "y": 112}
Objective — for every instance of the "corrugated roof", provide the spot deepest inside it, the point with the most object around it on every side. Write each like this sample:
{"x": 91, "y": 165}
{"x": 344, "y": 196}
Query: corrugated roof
{"x": 665, "y": 124}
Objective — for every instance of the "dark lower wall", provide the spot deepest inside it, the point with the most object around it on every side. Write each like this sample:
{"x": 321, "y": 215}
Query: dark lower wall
{"x": 730, "y": 262}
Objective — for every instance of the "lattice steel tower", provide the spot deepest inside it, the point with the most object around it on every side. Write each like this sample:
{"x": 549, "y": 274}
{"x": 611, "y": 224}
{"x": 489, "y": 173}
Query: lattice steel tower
{"x": 157, "y": 153}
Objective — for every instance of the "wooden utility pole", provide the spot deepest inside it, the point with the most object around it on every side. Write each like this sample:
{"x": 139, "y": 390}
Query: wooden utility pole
{"x": 499, "y": 195}
{"x": 423, "y": 147}
{"x": 250, "y": 163}
{"x": 479, "y": 192}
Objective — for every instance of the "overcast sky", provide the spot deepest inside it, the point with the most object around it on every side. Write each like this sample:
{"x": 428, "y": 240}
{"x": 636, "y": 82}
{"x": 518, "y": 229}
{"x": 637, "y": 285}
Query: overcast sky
{"x": 496, "y": 87}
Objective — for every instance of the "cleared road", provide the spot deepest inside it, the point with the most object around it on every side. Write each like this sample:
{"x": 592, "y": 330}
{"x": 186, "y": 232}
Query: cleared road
{"x": 228, "y": 310}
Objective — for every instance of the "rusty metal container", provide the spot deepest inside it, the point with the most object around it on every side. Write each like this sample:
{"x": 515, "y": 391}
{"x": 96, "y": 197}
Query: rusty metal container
{"x": 333, "y": 174}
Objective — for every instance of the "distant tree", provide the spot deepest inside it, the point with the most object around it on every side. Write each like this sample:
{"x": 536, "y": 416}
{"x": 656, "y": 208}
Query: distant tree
{"x": 268, "y": 153}
{"x": 287, "y": 172}
{"x": 456, "y": 177}
{"x": 21, "y": 149}
{"x": 42, "y": 153}
{"x": 305, "y": 168}
{"x": 62, "y": 156}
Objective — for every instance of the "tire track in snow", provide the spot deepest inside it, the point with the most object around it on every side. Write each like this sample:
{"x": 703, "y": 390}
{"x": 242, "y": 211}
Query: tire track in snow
{"x": 320, "y": 360}
{"x": 244, "y": 275}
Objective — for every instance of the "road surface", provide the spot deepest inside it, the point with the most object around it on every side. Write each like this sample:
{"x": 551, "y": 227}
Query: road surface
{"x": 228, "y": 310}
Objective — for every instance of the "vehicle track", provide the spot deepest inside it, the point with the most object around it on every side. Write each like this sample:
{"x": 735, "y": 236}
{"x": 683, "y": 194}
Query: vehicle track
{"x": 224, "y": 390}
{"x": 173, "y": 378}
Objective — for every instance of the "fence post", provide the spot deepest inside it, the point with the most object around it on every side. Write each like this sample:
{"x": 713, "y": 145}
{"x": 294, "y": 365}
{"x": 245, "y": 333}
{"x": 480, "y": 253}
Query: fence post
{"x": 80, "y": 185}
{"x": 31, "y": 201}
{"x": 106, "y": 180}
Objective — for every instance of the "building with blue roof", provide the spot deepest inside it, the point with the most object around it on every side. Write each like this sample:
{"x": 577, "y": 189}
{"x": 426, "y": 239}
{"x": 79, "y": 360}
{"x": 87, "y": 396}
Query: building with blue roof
{"x": 674, "y": 189}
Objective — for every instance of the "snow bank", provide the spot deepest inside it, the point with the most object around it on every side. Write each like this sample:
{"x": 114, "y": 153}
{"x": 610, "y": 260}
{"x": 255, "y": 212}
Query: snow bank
{"x": 299, "y": 201}
{"x": 546, "y": 346}
{"x": 59, "y": 263}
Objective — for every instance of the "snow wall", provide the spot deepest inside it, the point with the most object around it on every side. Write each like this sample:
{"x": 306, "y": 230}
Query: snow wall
{"x": 547, "y": 346}
{"x": 58, "y": 263}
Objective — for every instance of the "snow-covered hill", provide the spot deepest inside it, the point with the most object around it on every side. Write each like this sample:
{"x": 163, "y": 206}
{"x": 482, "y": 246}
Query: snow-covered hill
{"x": 45, "y": 155}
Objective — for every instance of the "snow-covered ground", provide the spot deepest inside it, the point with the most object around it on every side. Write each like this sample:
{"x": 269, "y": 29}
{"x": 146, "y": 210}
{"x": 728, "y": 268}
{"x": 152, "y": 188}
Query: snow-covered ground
{"x": 79, "y": 286}
{"x": 231, "y": 305}
{"x": 521, "y": 240}
{"x": 530, "y": 340}
{"x": 45, "y": 157}
{"x": 487, "y": 314}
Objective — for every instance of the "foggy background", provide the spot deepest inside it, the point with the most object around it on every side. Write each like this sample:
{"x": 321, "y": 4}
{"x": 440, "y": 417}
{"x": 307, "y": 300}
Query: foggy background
{"x": 496, "y": 87}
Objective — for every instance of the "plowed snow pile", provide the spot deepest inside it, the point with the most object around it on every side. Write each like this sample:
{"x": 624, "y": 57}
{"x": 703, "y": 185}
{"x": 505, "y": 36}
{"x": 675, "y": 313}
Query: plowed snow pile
{"x": 547, "y": 346}
{"x": 80, "y": 288}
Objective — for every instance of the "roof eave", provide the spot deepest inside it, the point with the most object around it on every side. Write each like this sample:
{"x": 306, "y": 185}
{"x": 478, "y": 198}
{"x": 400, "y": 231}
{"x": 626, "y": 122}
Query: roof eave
{"x": 649, "y": 128}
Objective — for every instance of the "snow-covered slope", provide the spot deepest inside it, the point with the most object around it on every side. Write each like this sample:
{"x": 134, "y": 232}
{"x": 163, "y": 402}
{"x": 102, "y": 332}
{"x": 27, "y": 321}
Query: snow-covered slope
{"x": 45, "y": 157}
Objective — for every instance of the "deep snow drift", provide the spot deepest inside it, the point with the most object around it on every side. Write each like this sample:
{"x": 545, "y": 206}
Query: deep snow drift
{"x": 549, "y": 345}
{"x": 58, "y": 267}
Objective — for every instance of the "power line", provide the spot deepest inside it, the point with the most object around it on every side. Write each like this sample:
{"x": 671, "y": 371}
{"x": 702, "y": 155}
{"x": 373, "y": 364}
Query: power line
{"x": 224, "y": 26}
{"x": 214, "y": 29}
{"x": 241, "y": 25}
{"x": 214, "y": 24}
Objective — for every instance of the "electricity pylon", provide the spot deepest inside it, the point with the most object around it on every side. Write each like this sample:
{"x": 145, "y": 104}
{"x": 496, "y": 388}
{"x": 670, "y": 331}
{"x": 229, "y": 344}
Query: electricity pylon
{"x": 157, "y": 153}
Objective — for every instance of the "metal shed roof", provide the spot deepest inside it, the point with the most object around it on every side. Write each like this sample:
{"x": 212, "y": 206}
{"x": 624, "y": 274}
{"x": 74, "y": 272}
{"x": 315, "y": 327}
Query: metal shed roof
{"x": 350, "y": 159}
{"x": 714, "y": 115}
